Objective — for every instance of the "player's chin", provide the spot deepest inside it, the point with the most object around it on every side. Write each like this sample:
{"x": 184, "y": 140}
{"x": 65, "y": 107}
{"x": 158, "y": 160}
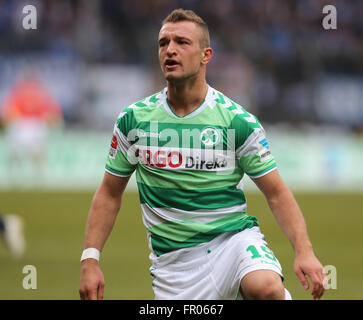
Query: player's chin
{"x": 173, "y": 78}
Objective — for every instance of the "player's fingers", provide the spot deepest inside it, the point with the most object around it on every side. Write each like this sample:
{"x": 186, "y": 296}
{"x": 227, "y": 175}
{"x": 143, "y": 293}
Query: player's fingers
{"x": 317, "y": 285}
{"x": 302, "y": 278}
{"x": 322, "y": 287}
{"x": 315, "y": 291}
{"x": 319, "y": 291}
{"x": 92, "y": 294}
{"x": 89, "y": 293}
{"x": 322, "y": 282}
{"x": 100, "y": 291}
{"x": 82, "y": 294}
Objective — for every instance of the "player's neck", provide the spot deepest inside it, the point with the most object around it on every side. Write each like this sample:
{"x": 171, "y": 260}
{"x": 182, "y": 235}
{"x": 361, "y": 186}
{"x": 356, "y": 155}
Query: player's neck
{"x": 185, "y": 98}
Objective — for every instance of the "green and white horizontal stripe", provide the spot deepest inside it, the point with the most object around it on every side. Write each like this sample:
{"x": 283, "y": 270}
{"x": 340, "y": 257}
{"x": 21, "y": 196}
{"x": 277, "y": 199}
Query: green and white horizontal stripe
{"x": 173, "y": 235}
{"x": 186, "y": 179}
{"x": 155, "y": 216}
{"x": 192, "y": 199}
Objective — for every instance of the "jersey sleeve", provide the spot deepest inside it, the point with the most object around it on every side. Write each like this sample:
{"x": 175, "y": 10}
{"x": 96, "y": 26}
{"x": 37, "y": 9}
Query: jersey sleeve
{"x": 121, "y": 160}
{"x": 253, "y": 151}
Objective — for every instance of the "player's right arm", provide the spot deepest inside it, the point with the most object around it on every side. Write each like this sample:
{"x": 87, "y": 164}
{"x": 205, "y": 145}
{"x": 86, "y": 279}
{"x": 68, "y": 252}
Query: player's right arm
{"x": 104, "y": 209}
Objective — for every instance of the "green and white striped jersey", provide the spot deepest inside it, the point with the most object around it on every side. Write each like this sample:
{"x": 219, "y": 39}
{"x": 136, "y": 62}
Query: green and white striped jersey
{"x": 189, "y": 169}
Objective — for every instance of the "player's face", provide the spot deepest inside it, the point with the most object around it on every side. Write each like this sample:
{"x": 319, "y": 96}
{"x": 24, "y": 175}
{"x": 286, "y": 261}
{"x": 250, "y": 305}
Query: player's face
{"x": 180, "y": 54}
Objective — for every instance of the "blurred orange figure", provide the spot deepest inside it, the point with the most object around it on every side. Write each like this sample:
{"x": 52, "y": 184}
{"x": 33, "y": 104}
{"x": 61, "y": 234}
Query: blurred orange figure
{"x": 30, "y": 100}
{"x": 27, "y": 112}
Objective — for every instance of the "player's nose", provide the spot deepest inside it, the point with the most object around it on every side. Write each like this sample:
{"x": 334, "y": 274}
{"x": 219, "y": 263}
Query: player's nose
{"x": 171, "y": 49}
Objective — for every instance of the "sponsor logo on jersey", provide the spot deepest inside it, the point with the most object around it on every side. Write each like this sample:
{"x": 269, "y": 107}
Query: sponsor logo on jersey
{"x": 141, "y": 133}
{"x": 264, "y": 143}
{"x": 264, "y": 152}
{"x": 114, "y": 142}
{"x": 113, "y": 150}
{"x": 185, "y": 158}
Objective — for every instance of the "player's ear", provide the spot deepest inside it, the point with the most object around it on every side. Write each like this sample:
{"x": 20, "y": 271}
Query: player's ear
{"x": 207, "y": 54}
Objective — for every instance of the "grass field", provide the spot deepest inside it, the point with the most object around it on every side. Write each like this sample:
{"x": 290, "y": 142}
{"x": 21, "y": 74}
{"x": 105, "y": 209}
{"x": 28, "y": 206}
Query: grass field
{"x": 54, "y": 228}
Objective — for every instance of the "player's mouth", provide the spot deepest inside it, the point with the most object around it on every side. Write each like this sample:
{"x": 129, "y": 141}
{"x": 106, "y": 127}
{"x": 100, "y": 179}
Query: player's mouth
{"x": 171, "y": 64}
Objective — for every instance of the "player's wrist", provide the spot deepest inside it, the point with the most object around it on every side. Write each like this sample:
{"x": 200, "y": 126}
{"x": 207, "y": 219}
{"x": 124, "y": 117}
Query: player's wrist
{"x": 303, "y": 250}
{"x": 89, "y": 265}
{"x": 92, "y": 254}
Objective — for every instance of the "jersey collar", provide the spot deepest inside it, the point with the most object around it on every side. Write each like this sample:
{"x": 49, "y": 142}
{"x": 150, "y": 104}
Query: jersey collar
{"x": 207, "y": 102}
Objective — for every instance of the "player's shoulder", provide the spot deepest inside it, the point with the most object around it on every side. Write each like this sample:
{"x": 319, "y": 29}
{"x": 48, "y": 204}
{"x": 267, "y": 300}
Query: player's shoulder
{"x": 239, "y": 116}
{"x": 145, "y": 104}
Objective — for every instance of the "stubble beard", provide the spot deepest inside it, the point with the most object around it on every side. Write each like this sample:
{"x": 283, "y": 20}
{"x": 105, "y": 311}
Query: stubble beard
{"x": 182, "y": 79}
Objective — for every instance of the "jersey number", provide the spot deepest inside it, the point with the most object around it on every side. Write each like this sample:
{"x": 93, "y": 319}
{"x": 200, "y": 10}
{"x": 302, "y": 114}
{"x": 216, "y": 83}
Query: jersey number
{"x": 266, "y": 252}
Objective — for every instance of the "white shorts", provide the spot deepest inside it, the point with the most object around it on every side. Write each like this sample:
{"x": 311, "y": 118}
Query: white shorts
{"x": 213, "y": 270}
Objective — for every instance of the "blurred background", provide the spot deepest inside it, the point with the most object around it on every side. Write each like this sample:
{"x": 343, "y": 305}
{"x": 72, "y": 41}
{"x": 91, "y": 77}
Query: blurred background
{"x": 86, "y": 60}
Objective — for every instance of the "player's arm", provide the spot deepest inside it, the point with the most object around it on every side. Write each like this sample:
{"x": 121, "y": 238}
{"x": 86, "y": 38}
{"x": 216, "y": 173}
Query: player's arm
{"x": 104, "y": 209}
{"x": 290, "y": 219}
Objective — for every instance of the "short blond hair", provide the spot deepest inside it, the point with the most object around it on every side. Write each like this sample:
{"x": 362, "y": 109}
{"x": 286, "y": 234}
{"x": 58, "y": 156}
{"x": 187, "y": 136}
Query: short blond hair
{"x": 178, "y": 15}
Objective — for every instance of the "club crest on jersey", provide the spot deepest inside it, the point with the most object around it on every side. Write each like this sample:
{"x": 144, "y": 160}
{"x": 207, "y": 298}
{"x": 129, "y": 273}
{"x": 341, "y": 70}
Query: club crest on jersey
{"x": 210, "y": 136}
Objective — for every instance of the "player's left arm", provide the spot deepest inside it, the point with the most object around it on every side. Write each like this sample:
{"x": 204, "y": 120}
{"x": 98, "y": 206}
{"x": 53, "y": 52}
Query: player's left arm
{"x": 290, "y": 219}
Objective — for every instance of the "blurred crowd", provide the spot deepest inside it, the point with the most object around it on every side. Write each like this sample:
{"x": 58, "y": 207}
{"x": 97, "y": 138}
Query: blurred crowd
{"x": 270, "y": 55}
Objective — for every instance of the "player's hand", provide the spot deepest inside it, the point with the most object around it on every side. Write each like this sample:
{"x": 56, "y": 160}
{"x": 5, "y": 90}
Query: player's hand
{"x": 309, "y": 265}
{"x": 92, "y": 283}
